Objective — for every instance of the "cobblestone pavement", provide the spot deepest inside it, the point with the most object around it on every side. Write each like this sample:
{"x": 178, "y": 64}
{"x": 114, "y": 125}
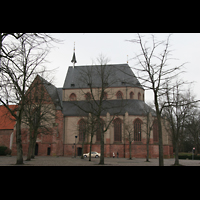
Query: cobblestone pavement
{"x": 69, "y": 161}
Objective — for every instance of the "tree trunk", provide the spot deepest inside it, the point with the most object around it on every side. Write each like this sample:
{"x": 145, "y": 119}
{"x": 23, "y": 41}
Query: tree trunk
{"x": 82, "y": 157}
{"x": 161, "y": 161}
{"x": 33, "y": 147}
{"x": 30, "y": 149}
{"x": 90, "y": 148}
{"x": 176, "y": 153}
{"x": 147, "y": 159}
{"x": 102, "y": 149}
{"x": 130, "y": 157}
{"x": 19, "y": 143}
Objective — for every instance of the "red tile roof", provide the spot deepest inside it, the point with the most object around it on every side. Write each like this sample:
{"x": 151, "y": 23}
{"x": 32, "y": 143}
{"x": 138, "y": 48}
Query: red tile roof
{"x": 7, "y": 121}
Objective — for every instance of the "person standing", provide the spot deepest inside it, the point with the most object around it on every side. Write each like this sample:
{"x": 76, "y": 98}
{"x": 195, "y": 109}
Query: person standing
{"x": 117, "y": 155}
{"x": 113, "y": 154}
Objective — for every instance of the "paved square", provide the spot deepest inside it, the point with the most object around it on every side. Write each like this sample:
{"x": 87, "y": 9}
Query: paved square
{"x": 69, "y": 161}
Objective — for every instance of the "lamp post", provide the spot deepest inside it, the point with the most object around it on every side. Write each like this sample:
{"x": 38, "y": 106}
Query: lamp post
{"x": 193, "y": 153}
{"x": 75, "y": 146}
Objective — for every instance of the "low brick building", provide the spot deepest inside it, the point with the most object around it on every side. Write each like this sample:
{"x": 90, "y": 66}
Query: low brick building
{"x": 7, "y": 124}
{"x": 50, "y": 138}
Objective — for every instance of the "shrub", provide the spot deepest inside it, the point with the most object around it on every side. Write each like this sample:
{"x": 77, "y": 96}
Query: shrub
{"x": 2, "y": 150}
{"x": 8, "y": 151}
{"x": 187, "y": 156}
{"x": 5, "y": 151}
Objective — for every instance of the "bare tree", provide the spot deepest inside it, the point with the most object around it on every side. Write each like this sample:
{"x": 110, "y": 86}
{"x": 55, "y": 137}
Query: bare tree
{"x": 20, "y": 59}
{"x": 148, "y": 126}
{"x": 129, "y": 134}
{"x": 39, "y": 112}
{"x": 192, "y": 127}
{"x": 177, "y": 110}
{"x": 153, "y": 71}
{"x": 97, "y": 101}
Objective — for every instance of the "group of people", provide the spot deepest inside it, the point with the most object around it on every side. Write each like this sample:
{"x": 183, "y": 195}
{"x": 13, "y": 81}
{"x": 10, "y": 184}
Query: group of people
{"x": 117, "y": 155}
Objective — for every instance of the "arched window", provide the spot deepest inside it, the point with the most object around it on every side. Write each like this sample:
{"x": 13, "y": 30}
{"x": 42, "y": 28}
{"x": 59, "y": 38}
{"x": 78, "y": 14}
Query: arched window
{"x": 82, "y": 129}
{"x": 137, "y": 130}
{"x": 155, "y": 130}
{"x": 72, "y": 97}
{"x": 139, "y": 96}
{"x": 88, "y": 96}
{"x": 117, "y": 130}
{"x": 105, "y": 95}
{"x": 36, "y": 116}
{"x": 131, "y": 95}
{"x": 98, "y": 130}
{"x": 119, "y": 95}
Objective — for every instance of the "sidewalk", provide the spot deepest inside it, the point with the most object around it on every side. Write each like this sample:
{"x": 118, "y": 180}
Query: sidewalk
{"x": 68, "y": 161}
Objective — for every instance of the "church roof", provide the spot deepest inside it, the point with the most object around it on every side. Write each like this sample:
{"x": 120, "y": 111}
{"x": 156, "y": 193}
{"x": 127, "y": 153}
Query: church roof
{"x": 118, "y": 75}
{"x": 54, "y": 93}
{"x": 119, "y": 107}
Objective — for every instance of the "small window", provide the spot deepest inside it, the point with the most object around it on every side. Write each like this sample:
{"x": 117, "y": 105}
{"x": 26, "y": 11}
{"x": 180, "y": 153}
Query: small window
{"x": 131, "y": 95}
{"x": 123, "y": 83}
{"x": 72, "y": 97}
{"x": 88, "y": 96}
{"x": 119, "y": 95}
{"x": 72, "y": 85}
{"x": 139, "y": 96}
{"x": 105, "y": 95}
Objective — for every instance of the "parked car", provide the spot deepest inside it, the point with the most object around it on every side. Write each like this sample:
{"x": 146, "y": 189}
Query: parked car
{"x": 94, "y": 154}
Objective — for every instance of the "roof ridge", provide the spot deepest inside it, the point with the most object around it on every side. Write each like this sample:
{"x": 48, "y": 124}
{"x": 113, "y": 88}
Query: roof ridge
{"x": 98, "y": 65}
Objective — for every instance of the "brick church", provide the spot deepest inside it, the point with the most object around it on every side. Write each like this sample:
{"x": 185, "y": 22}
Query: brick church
{"x": 66, "y": 135}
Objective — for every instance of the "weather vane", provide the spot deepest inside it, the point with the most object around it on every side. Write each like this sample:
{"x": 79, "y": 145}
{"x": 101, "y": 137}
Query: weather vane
{"x": 74, "y": 57}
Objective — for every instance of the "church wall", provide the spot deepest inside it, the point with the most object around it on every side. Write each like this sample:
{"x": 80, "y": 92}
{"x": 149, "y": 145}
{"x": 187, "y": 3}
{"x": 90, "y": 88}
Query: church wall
{"x": 71, "y": 129}
{"x": 5, "y": 137}
{"x": 138, "y": 148}
{"x": 80, "y": 93}
{"x": 53, "y": 140}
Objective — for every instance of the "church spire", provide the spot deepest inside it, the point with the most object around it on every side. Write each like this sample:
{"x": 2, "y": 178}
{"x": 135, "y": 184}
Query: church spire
{"x": 74, "y": 57}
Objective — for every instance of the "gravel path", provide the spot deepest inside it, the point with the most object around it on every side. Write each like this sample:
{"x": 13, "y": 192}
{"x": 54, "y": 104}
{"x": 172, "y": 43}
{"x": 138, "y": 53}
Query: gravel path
{"x": 68, "y": 161}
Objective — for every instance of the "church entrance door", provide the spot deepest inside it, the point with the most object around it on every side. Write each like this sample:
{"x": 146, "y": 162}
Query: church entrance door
{"x": 48, "y": 151}
{"x": 36, "y": 149}
{"x": 79, "y": 149}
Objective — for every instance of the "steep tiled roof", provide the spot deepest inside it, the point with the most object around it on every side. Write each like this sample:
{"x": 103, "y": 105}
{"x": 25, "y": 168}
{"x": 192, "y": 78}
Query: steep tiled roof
{"x": 118, "y": 75}
{"x": 132, "y": 106}
{"x": 6, "y": 119}
{"x": 53, "y": 92}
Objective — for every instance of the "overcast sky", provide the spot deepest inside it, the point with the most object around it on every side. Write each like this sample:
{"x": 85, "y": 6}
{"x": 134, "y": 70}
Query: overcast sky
{"x": 185, "y": 46}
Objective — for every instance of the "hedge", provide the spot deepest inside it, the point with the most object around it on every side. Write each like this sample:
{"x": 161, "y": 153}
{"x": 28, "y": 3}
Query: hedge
{"x": 196, "y": 157}
{"x": 4, "y": 151}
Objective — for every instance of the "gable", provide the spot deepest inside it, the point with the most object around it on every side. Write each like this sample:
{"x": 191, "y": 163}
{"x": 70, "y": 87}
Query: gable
{"x": 50, "y": 92}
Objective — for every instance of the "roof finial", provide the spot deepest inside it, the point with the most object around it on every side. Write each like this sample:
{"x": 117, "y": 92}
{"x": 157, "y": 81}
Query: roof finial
{"x": 74, "y": 57}
{"x": 127, "y": 59}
